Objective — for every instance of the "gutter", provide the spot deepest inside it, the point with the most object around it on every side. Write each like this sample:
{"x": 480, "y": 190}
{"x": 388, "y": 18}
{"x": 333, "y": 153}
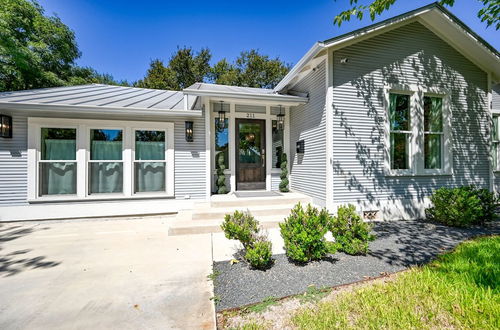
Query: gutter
{"x": 90, "y": 109}
{"x": 270, "y": 97}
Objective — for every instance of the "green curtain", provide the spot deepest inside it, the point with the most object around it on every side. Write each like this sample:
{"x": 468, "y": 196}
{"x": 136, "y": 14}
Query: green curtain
{"x": 432, "y": 150}
{"x": 149, "y": 176}
{"x": 434, "y": 117}
{"x": 106, "y": 177}
{"x": 59, "y": 177}
{"x": 149, "y": 150}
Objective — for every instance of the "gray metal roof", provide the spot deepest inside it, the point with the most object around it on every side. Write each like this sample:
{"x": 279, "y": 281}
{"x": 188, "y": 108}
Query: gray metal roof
{"x": 98, "y": 95}
{"x": 226, "y": 88}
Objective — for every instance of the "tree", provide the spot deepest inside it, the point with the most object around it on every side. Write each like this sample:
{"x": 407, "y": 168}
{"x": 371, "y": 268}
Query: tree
{"x": 490, "y": 13}
{"x": 250, "y": 69}
{"x": 184, "y": 69}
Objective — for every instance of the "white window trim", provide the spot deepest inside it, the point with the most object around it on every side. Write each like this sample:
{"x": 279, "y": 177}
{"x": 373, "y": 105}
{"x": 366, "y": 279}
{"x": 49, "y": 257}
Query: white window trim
{"x": 83, "y": 127}
{"x": 495, "y": 117}
{"x": 416, "y": 152}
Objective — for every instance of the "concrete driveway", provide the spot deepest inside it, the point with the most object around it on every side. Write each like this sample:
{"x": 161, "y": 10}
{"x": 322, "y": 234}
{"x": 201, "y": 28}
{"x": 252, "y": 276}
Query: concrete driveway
{"x": 96, "y": 274}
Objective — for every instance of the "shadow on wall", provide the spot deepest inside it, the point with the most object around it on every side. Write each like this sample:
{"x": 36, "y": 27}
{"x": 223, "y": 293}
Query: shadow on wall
{"x": 15, "y": 262}
{"x": 364, "y": 176}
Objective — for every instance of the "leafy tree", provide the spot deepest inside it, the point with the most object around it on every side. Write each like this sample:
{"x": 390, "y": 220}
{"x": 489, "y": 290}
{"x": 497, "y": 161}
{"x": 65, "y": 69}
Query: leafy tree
{"x": 490, "y": 13}
{"x": 85, "y": 75}
{"x": 251, "y": 69}
{"x": 184, "y": 69}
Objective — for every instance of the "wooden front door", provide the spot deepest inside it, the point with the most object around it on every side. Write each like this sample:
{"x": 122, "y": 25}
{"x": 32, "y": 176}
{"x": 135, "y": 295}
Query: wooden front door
{"x": 250, "y": 154}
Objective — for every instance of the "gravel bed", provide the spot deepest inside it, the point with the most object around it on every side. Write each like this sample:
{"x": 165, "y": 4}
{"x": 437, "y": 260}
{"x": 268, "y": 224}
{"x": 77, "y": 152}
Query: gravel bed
{"x": 399, "y": 245}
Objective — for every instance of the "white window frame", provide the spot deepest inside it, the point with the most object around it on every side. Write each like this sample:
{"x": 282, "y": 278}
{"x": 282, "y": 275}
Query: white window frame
{"x": 416, "y": 156}
{"x": 495, "y": 142}
{"x": 83, "y": 127}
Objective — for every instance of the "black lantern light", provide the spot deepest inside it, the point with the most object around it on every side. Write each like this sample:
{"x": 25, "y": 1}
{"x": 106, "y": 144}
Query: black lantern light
{"x": 222, "y": 116}
{"x": 189, "y": 131}
{"x": 281, "y": 120}
{"x": 5, "y": 126}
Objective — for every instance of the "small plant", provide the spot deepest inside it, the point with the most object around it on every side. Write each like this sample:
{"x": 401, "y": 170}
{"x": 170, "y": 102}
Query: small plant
{"x": 216, "y": 299}
{"x": 351, "y": 233}
{"x": 214, "y": 275}
{"x": 462, "y": 206}
{"x": 284, "y": 174}
{"x": 304, "y": 233}
{"x": 241, "y": 226}
{"x": 221, "y": 177}
{"x": 262, "y": 306}
{"x": 259, "y": 255}
{"x": 313, "y": 294}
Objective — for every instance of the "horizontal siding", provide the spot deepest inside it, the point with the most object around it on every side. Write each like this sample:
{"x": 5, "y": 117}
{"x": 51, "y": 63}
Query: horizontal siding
{"x": 249, "y": 108}
{"x": 307, "y": 122}
{"x": 275, "y": 181}
{"x": 190, "y": 163}
{"x": 495, "y": 97}
{"x": 408, "y": 55}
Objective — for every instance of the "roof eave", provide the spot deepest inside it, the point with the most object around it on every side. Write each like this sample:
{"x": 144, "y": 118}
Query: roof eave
{"x": 87, "y": 109}
{"x": 269, "y": 97}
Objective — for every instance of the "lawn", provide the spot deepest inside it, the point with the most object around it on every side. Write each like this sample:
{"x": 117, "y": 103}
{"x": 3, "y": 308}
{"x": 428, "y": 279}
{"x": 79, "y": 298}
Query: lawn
{"x": 460, "y": 289}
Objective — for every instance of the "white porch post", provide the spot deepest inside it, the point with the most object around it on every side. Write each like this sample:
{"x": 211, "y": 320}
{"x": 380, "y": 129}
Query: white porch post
{"x": 329, "y": 132}
{"x": 287, "y": 146}
{"x": 269, "y": 147}
{"x": 208, "y": 139}
{"x": 232, "y": 146}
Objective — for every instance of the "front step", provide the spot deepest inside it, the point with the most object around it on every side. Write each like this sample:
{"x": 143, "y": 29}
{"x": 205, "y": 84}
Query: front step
{"x": 230, "y": 201}
{"x": 219, "y": 213}
{"x": 179, "y": 228}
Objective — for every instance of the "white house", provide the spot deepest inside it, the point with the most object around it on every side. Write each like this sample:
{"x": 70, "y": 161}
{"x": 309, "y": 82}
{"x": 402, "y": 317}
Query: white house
{"x": 379, "y": 117}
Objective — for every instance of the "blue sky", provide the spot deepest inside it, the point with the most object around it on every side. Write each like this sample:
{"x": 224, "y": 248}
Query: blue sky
{"x": 120, "y": 37}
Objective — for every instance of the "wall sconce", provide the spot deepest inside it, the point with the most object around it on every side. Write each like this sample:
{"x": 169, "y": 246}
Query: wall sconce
{"x": 189, "y": 131}
{"x": 6, "y": 126}
{"x": 281, "y": 120}
{"x": 222, "y": 116}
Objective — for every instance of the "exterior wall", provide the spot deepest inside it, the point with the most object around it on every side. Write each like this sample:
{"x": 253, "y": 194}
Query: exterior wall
{"x": 409, "y": 55}
{"x": 190, "y": 163}
{"x": 307, "y": 122}
{"x": 495, "y": 97}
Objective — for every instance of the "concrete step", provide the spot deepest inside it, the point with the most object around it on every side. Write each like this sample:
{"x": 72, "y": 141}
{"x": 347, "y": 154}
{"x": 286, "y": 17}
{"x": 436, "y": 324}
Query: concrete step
{"x": 232, "y": 201}
{"x": 219, "y": 212}
{"x": 178, "y": 228}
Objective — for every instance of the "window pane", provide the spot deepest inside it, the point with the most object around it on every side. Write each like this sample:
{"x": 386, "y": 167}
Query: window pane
{"x": 150, "y": 145}
{"x": 432, "y": 151}
{"x": 495, "y": 155}
{"x": 433, "y": 114}
{"x": 149, "y": 177}
{"x": 399, "y": 151}
{"x": 221, "y": 142}
{"x": 277, "y": 144}
{"x": 106, "y": 177}
{"x": 399, "y": 112}
{"x": 250, "y": 143}
{"x": 57, "y": 178}
{"x": 58, "y": 144}
{"x": 106, "y": 144}
{"x": 495, "y": 128}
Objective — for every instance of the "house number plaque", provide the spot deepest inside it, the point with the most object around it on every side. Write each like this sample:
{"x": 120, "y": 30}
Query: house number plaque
{"x": 250, "y": 115}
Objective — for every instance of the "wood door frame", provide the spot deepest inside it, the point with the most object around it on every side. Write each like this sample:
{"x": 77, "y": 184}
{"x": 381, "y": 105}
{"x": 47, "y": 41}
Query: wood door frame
{"x": 262, "y": 122}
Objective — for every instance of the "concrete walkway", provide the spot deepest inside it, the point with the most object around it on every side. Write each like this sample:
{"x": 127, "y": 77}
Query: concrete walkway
{"x": 96, "y": 274}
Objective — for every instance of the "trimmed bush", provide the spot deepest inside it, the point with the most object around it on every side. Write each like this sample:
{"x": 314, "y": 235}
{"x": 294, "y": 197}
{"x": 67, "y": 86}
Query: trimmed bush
{"x": 304, "y": 233}
{"x": 241, "y": 226}
{"x": 284, "y": 174}
{"x": 351, "y": 233}
{"x": 259, "y": 255}
{"x": 462, "y": 206}
{"x": 221, "y": 177}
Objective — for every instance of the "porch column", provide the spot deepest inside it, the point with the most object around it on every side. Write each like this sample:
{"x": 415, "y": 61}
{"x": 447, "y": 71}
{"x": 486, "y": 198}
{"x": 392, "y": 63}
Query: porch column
{"x": 269, "y": 147}
{"x": 232, "y": 146}
{"x": 208, "y": 139}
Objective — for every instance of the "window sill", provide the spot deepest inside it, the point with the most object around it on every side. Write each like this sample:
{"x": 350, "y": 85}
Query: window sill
{"x": 108, "y": 197}
{"x": 418, "y": 174}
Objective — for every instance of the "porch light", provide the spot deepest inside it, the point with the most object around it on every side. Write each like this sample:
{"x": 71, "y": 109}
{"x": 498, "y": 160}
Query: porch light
{"x": 189, "y": 131}
{"x": 5, "y": 126}
{"x": 281, "y": 120}
{"x": 222, "y": 116}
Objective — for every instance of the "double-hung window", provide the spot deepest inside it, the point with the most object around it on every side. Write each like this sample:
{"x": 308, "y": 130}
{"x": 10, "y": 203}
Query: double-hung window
{"x": 149, "y": 161}
{"x": 400, "y": 131}
{"x": 433, "y": 132}
{"x": 106, "y": 161}
{"x": 495, "y": 143}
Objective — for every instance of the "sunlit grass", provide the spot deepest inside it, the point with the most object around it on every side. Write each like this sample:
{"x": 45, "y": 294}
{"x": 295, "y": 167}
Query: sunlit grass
{"x": 459, "y": 290}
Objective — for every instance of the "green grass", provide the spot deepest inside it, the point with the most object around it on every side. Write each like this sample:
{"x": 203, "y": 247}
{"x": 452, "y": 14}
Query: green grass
{"x": 460, "y": 289}
{"x": 262, "y": 306}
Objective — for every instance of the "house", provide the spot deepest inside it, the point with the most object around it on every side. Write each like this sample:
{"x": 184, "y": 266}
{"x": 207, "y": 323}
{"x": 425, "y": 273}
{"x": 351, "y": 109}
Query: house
{"x": 379, "y": 117}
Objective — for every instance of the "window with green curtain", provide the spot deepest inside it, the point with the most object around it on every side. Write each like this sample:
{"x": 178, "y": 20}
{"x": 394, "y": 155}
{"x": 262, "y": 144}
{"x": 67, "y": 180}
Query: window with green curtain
{"x": 57, "y": 164}
{"x": 278, "y": 146}
{"x": 495, "y": 137}
{"x": 149, "y": 161}
{"x": 433, "y": 132}
{"x": 106, "y": 164}
{"x": 400, "y": 132}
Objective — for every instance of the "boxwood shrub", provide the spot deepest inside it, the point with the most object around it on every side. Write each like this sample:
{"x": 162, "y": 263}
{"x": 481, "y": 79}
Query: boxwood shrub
{"x": 462, "y": 206}
{"x": 351, "y": 233}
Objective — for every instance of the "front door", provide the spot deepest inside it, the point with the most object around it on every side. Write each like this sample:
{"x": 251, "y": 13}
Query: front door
{"x": 250, "y": 154}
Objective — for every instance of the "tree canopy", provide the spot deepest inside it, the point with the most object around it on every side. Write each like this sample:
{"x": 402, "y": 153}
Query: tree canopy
{"x": 490, "y": 13}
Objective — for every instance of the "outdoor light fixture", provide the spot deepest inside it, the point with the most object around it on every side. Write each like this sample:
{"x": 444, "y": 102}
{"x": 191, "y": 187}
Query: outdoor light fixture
{"x": 5, "y": 126}
{"x": 222, "y": 116}
{"x": 281, "y": 120}
{"x": 189, "y": 131}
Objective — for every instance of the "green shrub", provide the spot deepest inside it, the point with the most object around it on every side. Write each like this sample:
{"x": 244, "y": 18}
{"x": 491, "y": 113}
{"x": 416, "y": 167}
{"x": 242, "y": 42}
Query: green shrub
{"x": 462, "y": 206}
{"x": 351, "y": 233}
{"x": 241, "y": 226}
{"x": 304, "y": 233}
{"x": 259, "y": 255}
{"x": 221, "y": 177}
{"x": 284, "y": 174}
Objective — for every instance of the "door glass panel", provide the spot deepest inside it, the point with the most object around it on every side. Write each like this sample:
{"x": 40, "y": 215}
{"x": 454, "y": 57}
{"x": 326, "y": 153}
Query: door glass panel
{"x": 250, "y": 143}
